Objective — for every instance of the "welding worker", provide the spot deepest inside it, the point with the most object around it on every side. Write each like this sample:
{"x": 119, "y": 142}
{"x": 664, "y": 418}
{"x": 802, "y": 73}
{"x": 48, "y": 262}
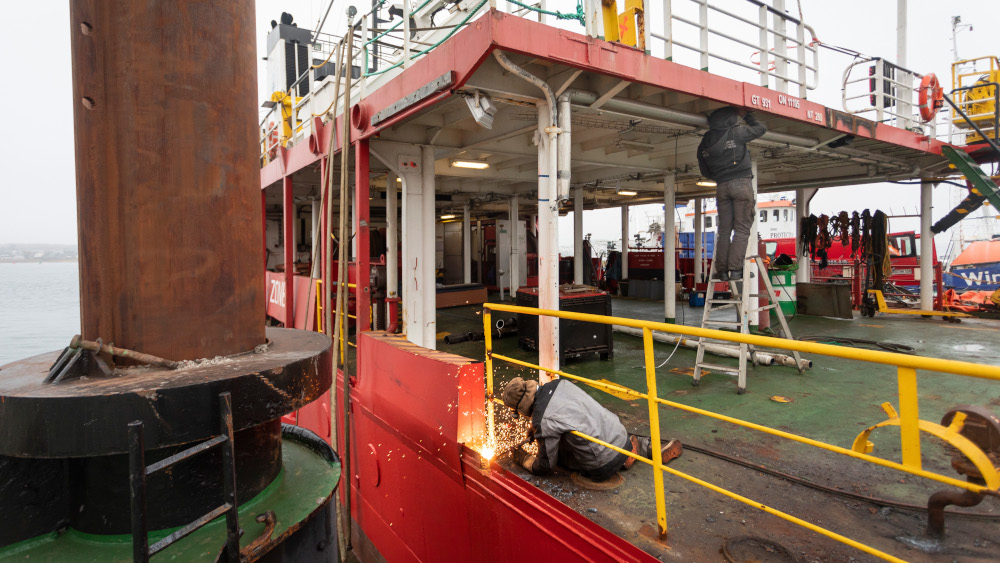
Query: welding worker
{"x": 723, "y": 157}
{"x": 557, "y": 409}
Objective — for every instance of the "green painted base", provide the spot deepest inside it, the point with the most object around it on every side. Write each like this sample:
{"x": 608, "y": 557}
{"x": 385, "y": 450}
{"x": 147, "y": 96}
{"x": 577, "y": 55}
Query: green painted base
{"x": 304, "y": 478}
{"x": 670, "y": 320}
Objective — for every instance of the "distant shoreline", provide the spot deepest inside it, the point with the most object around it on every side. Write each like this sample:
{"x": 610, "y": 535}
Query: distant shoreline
{"x": 61, "y": 261}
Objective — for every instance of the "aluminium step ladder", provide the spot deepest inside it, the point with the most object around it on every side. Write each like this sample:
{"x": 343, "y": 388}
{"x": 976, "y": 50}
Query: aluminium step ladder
{"x": 744, "y": 305}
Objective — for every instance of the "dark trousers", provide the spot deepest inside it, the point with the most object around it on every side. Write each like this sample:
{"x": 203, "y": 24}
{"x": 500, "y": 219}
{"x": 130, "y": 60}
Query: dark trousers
{"x": 736, "y": 205}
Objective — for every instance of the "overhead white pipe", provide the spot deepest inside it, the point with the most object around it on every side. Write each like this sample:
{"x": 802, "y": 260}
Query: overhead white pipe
{"x": 653, "y": 111}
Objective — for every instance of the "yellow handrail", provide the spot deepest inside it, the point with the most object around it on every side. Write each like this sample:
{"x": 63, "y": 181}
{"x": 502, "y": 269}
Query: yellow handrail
{"x": 908, "y": 420}
{"x": 874, "y": 356}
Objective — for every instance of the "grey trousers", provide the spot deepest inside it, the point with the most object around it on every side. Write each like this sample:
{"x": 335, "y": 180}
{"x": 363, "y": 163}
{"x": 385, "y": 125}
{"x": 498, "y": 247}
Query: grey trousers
{"x": 736, "y": 204}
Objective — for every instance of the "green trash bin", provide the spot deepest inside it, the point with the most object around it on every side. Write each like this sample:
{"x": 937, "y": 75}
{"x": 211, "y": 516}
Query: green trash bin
{"x": 784, "y": 290}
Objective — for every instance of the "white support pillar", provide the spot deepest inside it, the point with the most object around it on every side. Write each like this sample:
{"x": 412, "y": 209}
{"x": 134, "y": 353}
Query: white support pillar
{"x": 514, "y": 267}
{"x": 802, "y": 198}
{"x": 625, "y": 242}
{"x": 578, "y": 236}
{"x": 548, "y": 247}
{"x": 391, "y": 237}
{"x": 427, "y": 252}
{"x": 669, "y": 249}
{"x": 699, "y": 248}
{"x": 413, "y": 257}
{"x": 478, "y": 249}
{"x": 466, "y": 246}
{"x": 315, "y": 230}
{"x": 752, "y": 284}
{"x": 926, "y": 247}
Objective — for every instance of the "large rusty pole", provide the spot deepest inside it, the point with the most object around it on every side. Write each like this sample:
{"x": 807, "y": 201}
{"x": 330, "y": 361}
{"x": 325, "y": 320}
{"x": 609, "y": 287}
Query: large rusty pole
{"x": 167, "y": 175}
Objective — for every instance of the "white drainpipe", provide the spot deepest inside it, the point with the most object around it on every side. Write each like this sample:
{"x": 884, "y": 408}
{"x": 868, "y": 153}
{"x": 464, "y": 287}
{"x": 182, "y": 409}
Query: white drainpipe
{"x": 548, "y": 215}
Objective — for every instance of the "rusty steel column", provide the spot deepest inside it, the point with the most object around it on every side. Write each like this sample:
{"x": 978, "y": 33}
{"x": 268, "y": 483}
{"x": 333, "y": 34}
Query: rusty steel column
{"x": 164, "y": 99}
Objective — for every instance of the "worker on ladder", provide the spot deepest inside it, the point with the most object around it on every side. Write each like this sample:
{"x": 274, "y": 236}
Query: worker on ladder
{"x": 723, "y": 158}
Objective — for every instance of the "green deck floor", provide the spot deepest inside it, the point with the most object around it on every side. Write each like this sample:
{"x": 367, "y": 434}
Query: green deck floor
{"x": 832, "y": 402}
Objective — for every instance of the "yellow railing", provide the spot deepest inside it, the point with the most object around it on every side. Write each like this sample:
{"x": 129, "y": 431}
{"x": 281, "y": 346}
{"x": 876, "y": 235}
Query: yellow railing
{"x": 908, "y": 419}
{"x": 343, "y": 319}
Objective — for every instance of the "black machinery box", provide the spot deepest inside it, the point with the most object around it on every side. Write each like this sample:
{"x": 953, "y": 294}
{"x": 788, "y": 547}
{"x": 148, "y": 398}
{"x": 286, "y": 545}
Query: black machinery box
{"x": 576, "y": 338}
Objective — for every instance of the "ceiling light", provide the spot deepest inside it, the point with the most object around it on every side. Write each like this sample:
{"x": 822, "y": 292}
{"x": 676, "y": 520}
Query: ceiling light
{"x": 475, "y": 164}
{"x": 445, "y": 217}
{"x": 706, "y": 183}
{"x": 626, "y": 192}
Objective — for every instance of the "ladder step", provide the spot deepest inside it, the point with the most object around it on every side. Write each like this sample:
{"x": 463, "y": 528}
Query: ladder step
{"x": 717, "y": 367}
{"x": 764, "y": 308}
{"x": 729, "y": 301}
{"x": 721, "y": 323}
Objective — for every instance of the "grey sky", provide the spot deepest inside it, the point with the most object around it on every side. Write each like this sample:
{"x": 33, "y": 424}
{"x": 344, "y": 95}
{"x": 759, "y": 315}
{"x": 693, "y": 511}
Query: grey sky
{"x": 37, "y": 197}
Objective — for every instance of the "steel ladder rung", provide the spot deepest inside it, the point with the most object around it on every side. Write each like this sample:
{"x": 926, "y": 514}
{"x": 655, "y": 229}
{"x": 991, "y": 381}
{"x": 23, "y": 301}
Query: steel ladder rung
{"x": 719, "y": 367}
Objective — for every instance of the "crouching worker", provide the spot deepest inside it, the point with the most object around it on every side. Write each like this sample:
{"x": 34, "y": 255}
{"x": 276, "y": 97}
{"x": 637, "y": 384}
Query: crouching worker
{"x": 557, "y": 409}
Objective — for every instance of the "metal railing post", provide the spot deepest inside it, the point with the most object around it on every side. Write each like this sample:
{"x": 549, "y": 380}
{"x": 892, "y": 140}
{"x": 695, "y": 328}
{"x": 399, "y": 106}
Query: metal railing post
{"x": 654, "y": 431}
{"x": 406, "y": 34}
{"x": 909, "y": 417}
{"x": 703, "y": 32}
{"x": 668, "y": 24}
{"x": 488, "y": 339}
{"x": 780, "y": 47}
{"x": 765, "y": 68}
{"x": 800, "y": 36}
{"x": 879, "y": 90}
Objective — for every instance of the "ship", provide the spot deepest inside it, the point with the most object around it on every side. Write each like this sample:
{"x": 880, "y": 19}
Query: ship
{"x": 378, "y": 136}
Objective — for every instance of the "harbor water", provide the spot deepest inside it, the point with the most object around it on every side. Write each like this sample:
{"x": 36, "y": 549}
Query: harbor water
{"x": 39, "y": 308}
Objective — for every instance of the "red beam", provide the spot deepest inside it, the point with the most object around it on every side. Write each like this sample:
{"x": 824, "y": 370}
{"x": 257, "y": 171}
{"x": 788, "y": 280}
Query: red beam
{"x": 287, "y": 210}
{"x": 361, "y": 203}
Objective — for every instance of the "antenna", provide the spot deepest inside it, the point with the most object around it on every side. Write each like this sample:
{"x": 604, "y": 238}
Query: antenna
{"x": 956, "y": 27}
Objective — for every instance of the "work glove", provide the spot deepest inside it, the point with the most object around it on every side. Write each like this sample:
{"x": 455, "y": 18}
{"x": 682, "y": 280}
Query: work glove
{"x": 528, "y": 463}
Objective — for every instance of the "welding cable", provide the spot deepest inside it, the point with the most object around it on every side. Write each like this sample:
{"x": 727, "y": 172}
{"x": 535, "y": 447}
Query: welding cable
{"x": 846, "y": 341}
{"x": 837, "y": 492}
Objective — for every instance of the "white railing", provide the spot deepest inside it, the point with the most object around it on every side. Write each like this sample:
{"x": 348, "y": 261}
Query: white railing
{"x": 779, "y": 48}
{"x": 784, "y": 47}
{"x": 878, "y": 87}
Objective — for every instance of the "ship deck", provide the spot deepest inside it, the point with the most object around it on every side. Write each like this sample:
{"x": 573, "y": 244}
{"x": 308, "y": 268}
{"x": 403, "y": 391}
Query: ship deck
{"x": 832, "y": 402}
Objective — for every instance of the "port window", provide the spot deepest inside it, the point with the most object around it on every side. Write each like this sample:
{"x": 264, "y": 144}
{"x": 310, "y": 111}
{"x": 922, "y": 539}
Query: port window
{"x": 776, "y": 214}
{"x": 784, "y": 213}
{"x": 763, "y": 216}
{"x": 708, "y": 222}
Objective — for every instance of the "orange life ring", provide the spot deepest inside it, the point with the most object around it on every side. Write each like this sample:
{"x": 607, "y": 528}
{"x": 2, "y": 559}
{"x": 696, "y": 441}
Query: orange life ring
{"x": 931, "y": 97}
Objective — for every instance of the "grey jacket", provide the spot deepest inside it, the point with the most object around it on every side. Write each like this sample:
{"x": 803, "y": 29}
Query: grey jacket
{"x": 561, "y": 407}
{"x": 723, "y": 154}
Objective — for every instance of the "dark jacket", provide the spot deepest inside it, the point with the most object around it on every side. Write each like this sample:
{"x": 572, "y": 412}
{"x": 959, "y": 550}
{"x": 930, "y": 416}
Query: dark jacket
{"x": 561, "y": 407}
{"x": 723, "y": 154}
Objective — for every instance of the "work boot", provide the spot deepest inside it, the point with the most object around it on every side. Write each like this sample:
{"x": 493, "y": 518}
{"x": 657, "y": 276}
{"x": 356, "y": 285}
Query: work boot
{"x": 736, "y": 275}
{"x": 723, "y": 276}
{"x": 670, "y": 451}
